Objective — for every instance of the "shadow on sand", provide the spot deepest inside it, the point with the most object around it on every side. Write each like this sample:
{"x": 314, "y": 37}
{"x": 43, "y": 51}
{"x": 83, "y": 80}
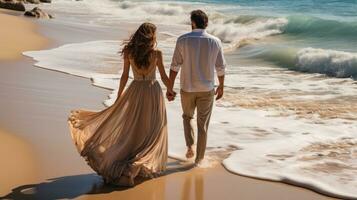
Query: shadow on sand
{"x": 69, "y": 187}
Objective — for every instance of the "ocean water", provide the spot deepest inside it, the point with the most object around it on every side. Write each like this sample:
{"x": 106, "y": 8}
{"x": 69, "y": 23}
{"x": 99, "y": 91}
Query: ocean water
{"x": 290, "y": 109}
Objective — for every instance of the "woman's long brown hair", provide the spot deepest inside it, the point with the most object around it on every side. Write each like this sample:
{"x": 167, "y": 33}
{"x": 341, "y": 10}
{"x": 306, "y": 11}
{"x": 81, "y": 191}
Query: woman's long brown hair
{"x": 141, "y": 45}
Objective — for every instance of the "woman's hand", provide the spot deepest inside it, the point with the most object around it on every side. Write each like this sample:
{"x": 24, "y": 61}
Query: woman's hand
{"x": 170, "y": 95}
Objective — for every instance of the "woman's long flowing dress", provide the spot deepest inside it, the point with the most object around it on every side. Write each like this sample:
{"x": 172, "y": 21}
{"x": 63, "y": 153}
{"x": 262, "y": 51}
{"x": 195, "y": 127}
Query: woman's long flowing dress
{"x": 129, "y": 138}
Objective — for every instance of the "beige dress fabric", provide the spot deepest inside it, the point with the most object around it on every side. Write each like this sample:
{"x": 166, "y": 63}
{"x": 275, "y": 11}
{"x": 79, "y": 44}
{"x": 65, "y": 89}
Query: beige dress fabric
{"x": 128, "y": 139}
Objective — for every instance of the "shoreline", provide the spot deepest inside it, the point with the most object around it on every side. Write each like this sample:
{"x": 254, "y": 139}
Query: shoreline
{"x": 51, "y": 104}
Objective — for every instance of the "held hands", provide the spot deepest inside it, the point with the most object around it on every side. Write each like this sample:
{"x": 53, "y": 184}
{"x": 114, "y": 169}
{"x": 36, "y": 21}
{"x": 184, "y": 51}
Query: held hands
{"x": 170, "y": 95}
{"x": 219, "y": 92}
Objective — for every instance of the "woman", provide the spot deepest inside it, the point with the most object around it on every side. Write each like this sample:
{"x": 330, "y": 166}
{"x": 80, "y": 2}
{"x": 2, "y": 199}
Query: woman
{"x": 128, "y": 140}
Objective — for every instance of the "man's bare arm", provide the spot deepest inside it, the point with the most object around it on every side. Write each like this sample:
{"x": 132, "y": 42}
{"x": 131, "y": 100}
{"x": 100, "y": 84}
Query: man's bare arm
{"x": 220, "y": 88}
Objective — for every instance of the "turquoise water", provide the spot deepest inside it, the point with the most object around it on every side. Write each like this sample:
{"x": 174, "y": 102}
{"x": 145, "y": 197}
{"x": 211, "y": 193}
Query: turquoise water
{"x": 316, "y": 36}
{"x": 337, "y": 8}
{"x": 329, "y": 25}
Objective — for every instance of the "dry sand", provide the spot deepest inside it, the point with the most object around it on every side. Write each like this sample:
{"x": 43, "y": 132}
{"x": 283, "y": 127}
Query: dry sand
{"x": 15, "y": 39}
{"x": 39, "y": 160}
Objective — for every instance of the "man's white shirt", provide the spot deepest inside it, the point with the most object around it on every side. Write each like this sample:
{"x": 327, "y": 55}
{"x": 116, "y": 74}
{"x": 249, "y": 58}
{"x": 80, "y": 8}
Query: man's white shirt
{"x": 198, "y": 54}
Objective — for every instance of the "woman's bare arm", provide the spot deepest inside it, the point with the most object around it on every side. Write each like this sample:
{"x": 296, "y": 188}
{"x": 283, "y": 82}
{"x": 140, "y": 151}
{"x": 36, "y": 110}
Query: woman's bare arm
{"x": 125, "y": 75}
{"x": 160, "y": 64}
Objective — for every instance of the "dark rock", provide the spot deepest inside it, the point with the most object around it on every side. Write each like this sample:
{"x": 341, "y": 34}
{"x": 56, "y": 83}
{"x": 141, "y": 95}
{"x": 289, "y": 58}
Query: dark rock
{"x": 38, "y": 13}
{"x": 12, "y": 5}
{"x": 32, "y": 1}
{"x": 46, "y": 1}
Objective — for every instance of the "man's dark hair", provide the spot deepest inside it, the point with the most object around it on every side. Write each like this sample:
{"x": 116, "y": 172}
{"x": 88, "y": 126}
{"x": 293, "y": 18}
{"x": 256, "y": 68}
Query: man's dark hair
{"x": 200, "y": 18}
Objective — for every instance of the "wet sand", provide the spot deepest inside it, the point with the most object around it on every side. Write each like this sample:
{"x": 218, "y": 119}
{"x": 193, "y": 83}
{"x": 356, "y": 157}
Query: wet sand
{"x": 39, "y": 160}
{"x": 15, "y": 152}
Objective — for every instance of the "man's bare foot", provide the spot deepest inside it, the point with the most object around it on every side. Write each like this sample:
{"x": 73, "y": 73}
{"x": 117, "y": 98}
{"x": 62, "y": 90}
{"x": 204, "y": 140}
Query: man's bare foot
{"x": 189, "y": 153}
{"x": 198, "y": 163}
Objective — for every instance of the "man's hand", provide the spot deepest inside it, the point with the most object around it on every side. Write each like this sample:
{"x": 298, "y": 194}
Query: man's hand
{"x": 170, "y": 95}
{"x": 219, "y": 92}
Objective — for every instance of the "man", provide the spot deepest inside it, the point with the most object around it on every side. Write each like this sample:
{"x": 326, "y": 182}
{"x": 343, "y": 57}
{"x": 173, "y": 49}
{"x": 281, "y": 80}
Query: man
{"x": 198, "y": 54}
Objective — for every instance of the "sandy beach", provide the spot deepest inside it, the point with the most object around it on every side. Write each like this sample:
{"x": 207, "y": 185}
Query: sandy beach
{"x": 23, "y": 34}
{"x": 39, "y": 160}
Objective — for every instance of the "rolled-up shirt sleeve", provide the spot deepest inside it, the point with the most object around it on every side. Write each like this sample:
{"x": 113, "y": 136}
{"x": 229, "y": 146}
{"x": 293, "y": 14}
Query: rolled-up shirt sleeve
{"x": 220, "y": 62}
{"x": 177, "y": 59}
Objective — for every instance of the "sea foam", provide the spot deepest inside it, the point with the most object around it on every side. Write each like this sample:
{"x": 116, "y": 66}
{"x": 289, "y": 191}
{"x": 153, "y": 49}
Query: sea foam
{"x": 233, "y": 30}
{"x": 340, "y": 64}
{"x": 238, "y": 34}
{"x": 334, "y": 63}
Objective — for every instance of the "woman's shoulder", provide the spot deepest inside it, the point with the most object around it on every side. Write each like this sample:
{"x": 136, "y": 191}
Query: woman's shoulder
{"x": 126, "y": 54}
{"x": 158, "y": 53}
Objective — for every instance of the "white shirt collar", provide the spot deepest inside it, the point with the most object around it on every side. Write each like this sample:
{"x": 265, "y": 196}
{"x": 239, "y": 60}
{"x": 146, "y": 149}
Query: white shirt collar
{"x": 198, "y": 30}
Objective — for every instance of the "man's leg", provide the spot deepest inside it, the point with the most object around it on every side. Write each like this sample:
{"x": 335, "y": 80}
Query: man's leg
{"x": 188, "y": 103}
{"x": 204, "y": 109}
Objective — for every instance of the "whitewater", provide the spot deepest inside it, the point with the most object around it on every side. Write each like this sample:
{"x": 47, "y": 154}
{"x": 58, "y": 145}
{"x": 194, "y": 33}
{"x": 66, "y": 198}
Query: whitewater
{"x": 290, "y": 109}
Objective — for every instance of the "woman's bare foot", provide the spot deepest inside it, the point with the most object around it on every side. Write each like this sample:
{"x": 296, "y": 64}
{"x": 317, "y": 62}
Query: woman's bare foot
{"x": 106, "y": 182}
{"x": 189, "y": 153}
{"x": 125, "y": 182}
